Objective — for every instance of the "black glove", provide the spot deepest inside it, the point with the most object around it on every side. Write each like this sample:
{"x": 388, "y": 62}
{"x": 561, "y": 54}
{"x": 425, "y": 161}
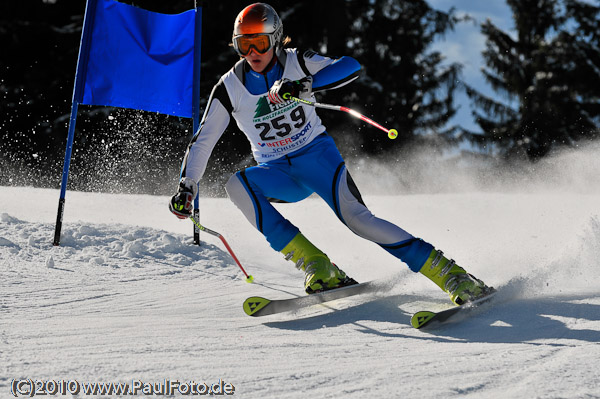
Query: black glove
{"x": 182, "y": 203}
{"x": 296, "y": 88}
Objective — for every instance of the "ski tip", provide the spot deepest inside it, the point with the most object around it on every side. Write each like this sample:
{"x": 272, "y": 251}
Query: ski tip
{"x": 253, "y": 305}
{"x": 419, "y": 319}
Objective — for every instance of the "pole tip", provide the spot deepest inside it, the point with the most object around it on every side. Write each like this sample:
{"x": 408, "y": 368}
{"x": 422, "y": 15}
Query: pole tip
{"x": 250, "y": 279}
{"x": 392, "y": 133}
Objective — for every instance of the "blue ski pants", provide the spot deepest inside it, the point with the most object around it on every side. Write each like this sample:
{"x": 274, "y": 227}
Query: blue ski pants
{"x": 317, "y": 168}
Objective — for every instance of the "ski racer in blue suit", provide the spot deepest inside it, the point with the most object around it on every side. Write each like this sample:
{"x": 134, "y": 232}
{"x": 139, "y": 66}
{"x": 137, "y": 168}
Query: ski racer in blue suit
{"x": 296, "y": 157}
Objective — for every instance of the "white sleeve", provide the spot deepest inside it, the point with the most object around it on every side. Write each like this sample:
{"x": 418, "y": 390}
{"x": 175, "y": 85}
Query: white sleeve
{"x": 214, "y": 122}
{"x": 329, "y": 73}
{"x": 314, "y": 62}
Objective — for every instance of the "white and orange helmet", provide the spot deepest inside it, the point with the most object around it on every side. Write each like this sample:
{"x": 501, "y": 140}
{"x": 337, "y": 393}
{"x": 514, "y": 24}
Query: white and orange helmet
{"x": 257, "y": 27}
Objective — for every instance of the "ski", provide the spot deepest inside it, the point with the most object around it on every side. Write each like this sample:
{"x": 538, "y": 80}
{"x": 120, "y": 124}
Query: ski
{"x": 259, "y": 306}
{"x": 430, "y": 319}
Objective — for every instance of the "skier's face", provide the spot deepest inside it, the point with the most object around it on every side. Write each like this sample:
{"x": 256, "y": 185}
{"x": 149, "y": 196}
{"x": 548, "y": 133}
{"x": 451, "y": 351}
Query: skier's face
{"x": 258, "y": 62}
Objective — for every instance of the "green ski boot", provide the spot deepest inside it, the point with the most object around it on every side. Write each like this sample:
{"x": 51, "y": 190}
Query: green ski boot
{"x": 321, "y": 274}
{"x": 453, "y": 279}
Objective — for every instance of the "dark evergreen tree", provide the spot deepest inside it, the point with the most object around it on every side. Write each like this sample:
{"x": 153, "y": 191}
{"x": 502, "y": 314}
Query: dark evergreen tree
{"x": 404, "y": 84}
{"x": 37, "y": 41}
{"x": 583, "y": 69}
{"x": 541, "y": 72}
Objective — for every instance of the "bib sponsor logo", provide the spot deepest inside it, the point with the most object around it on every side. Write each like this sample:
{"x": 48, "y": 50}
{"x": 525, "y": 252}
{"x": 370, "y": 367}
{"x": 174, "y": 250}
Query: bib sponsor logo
{"x": 265, "y": 110}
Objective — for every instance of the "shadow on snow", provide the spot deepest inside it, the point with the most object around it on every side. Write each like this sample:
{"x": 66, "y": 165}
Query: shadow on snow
{"x": 508, "y": 321}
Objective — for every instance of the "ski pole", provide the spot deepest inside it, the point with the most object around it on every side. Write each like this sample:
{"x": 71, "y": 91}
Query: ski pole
{"x": 392, "y": 133}
{"x": 249, "y": 279}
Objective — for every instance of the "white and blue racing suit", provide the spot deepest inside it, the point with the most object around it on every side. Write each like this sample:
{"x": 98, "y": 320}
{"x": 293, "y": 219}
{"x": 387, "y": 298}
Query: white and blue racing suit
{"x": 295, "y": 155}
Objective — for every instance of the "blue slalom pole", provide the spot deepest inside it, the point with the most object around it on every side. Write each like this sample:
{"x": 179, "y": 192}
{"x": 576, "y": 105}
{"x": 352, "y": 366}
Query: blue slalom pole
{"x": 90, "y": 11}
{"x": 196, "y": 104}
{"x": 65, "y": 175}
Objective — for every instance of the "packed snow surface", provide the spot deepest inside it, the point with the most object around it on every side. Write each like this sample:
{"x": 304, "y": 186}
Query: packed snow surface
{"x": 126, "y": 298}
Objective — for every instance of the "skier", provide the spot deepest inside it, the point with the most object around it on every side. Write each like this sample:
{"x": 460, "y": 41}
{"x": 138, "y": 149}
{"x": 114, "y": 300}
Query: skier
{"x": 296, "y": 157}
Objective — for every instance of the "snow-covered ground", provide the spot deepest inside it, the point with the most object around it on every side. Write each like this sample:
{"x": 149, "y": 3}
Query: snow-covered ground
{"x": 126, "y": 298}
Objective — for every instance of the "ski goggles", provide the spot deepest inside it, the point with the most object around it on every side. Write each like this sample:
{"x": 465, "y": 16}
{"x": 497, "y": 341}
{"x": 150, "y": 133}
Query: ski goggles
{"x": 261, "y": 43}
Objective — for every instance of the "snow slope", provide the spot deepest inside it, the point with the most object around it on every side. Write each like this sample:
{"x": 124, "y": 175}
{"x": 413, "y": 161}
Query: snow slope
{"x": 127, "y": 298}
